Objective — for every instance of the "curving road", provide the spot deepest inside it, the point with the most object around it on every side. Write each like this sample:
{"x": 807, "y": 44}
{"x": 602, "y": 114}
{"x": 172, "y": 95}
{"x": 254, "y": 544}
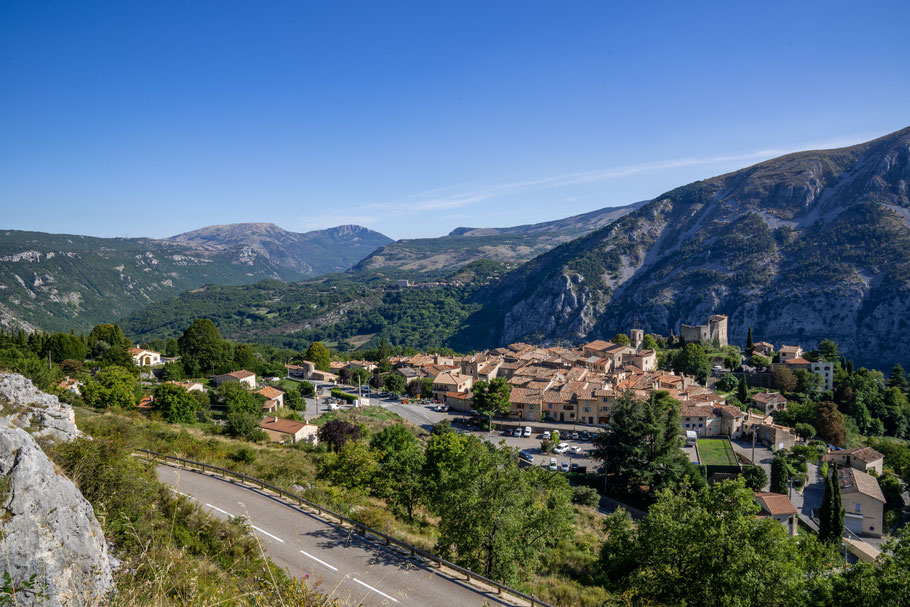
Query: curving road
{"x": 340, "y": 563}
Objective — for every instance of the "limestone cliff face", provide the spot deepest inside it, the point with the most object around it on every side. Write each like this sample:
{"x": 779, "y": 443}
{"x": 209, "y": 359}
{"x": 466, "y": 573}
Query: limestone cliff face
{"x": 802, "y": 247}
{"x": 48, "y": 528}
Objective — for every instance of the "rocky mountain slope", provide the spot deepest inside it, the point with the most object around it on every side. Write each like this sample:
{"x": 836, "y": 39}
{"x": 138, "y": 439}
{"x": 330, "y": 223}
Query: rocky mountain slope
{"x": 309, "y": 253}
{"x": 806, "y": 246}
{"x": 60, "y": 281}
{"x": 49, "y": 530}
{"x": 462, "y": 246}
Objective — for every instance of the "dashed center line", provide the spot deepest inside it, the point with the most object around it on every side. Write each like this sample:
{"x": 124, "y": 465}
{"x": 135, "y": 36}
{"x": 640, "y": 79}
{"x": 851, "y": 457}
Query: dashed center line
{"x": 182, "y": 493}
{"x": 267, "y": 533}
{"x": 220, "y": 510}
{"x": 391, "y": 598}
{"x": 318, "y": 560}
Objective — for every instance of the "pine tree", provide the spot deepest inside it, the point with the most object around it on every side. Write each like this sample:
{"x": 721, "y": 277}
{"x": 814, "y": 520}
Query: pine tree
{"x": 750, "y": 345}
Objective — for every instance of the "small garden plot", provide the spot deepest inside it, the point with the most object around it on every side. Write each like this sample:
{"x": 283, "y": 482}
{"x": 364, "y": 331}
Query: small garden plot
{"x": 716, "y": 452}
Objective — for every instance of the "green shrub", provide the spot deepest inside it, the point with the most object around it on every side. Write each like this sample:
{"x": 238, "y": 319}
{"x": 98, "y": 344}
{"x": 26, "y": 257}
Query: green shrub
{"x": 585, "y": 496}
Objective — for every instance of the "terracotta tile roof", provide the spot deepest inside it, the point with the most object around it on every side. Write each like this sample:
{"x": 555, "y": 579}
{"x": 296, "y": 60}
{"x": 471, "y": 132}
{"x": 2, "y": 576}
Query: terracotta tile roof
{"x": 775, "y": 504}
{"x": 789, "y": 349}
{"x": 146, "y": 403}
{"x": 459, "y": 395}
{"x": 768, "y": 397}
{"x": 270, "y": 392}
{"x": 866, "y": 454}
{"x": 797, "y": 361}
{"x": 597, "y": 344}
{"x": 242, "y": 374}
{"x": 695, "y": 411}
{"x": 279, "y": 424}
{"x": 855, "y": 481}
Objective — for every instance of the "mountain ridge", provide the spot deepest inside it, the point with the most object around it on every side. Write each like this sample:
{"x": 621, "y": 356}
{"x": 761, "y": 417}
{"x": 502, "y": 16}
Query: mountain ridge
{"x": 804, "y": 246}
{"x": 512, "y": 245}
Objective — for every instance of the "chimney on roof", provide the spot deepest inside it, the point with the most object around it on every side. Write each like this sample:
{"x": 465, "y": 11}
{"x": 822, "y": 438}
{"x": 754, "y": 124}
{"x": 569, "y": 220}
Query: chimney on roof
{"x": 276, "y": 419}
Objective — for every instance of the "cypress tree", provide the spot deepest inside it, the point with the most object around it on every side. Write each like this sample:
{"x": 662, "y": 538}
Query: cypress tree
{"x": 750, "y": 345}
{"x": 837, "y": 507}
{"x": 825, "y": 512}
{"x": 743, "y": 392}
{"x": 779, "y": 475}
{"x": 850, "y": 367}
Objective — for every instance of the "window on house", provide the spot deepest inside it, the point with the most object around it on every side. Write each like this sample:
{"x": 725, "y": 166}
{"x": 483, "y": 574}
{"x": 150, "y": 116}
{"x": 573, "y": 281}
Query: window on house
{"x": 857, "y": 507}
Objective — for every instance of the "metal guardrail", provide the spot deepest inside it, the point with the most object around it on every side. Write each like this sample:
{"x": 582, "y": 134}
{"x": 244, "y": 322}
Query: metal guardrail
{"x": 363, "y": 529}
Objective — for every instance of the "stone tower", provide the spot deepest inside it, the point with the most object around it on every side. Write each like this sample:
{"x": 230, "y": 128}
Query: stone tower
{"x": 636, "y": 336}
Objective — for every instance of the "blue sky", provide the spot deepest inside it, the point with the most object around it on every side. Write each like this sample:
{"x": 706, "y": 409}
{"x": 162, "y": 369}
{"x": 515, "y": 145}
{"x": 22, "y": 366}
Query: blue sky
{"x": 413, "y": 118}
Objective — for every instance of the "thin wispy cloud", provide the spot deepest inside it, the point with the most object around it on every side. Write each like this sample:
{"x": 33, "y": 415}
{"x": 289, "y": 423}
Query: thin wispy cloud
{"x": 437, "y": 199}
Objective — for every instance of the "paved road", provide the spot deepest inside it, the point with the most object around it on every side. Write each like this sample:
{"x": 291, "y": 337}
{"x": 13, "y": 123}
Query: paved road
{"x": 347, "y": 566}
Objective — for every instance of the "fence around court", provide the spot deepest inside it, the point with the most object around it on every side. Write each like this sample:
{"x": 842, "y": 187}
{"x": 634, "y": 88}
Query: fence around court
{"x": 342, "y": 520}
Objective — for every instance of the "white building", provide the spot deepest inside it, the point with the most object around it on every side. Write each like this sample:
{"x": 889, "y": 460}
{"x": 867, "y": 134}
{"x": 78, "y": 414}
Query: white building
{"x": 145, "y": 358}
{"x": 826, "y": 372}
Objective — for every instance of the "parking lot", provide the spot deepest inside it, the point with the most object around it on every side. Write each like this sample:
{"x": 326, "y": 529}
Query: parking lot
{"x": 425, "y": 414}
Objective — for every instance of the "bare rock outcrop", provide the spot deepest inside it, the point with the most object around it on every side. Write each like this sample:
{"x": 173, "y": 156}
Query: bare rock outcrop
{"x": 47, "y": 528}
{"x": 29, "y": 407}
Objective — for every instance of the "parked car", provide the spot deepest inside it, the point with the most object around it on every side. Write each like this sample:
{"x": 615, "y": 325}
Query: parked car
{"x": 575, "y": 436}
{"x": 585, "y": 435}
{"x": 574, "y": 467}
{"x": 526, "y": 456}
{"x": 565, "y": 466}
{"x": 552, "y": 461}
{"x": 516, "y": 432}
{"x": 554, "y": 468}
{"x": 527, "y": 432}
{"x": 575, "y": 449}
{"x": 561, "y": 448}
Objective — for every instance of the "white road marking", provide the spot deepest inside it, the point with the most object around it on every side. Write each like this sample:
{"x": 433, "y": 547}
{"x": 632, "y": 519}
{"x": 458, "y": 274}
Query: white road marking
{"x": 391, "y": 598}
{"x": 267, "y": 533}
{"x": 181, "y": 493}
{"x": 318, "y": 560}
{"x": 220, "y": 510}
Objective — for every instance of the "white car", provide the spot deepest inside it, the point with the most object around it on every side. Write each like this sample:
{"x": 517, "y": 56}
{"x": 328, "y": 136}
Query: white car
{"x": 575, "y": 449}
{"x": 564, "y": 467}
{"x": 561, "y": 448}
{"x": 527, "y": 431}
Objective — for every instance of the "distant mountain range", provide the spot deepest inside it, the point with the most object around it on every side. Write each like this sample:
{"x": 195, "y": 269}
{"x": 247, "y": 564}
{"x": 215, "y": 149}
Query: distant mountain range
{"x": 439, "y": 256}
{"x": 802, "y": 247}
{"x": 62, "y": 281}
{"x": 308, "y": 253}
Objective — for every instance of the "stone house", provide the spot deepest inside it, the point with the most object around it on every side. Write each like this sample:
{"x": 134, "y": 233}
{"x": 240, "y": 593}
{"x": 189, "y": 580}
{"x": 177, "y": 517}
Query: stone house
{"x": 780, "y": 508}
{"x": 408, "y": 373}
{"x": 451, "y": 381}
{"x": 280, "y": 430}
{"x": 864, "y": 459}
{"x": 460, "y": 401}
{"x": 763, "y": 348}
{"x": 274, "y": 398}
{"x": 767, "y": 432}
{"x": 244, "y": 377}
{"x": 789, "y": 353}
{"x": 768, "y": 402}
{"x": 863, "y": 500}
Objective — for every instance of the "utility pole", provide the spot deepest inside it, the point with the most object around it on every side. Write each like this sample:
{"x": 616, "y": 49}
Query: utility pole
{"x": 753, "y": 444}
